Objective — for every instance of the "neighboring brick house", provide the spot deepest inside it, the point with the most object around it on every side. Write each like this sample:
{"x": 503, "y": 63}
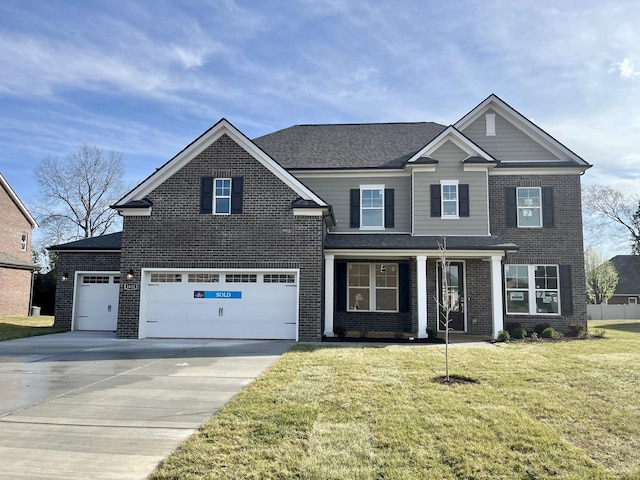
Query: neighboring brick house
{"x": 16, "y": 266}
{"x": 293, "y": 233}
{"x": 627, "y": 290}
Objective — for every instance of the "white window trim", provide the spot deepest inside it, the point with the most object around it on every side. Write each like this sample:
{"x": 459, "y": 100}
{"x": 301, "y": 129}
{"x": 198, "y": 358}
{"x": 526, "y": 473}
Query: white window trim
{"x": 633, "y": 300}
{"x": 371, "y": 187}
{"x": 442, "y": 200}
{"x": 518, "y": 207}
{"x": 24, "y": 241}
{"x": 531, "y": 290}
{"x": 372, "y": 288}
{"x": 216, "y": 197}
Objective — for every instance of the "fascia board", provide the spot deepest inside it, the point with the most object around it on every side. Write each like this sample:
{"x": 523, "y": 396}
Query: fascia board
{"x": 199, "y": 145}
{"x": 14, "y": 197}
{"x": 452, "y": 134}
{"x": 520, "y": 122}
{"x": 375, "y": 253}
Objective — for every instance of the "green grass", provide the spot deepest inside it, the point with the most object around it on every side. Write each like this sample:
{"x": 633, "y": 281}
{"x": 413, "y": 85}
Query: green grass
{"x": 566, "y": 410}
{"x": 20, "y": 327}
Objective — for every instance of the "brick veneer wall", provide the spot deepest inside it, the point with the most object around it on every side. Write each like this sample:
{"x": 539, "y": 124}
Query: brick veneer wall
{"x": 15, "y": 283}
{"x": 265, "y": 235}
{"x": 72, "y": 262}
{"x": 558, "y": 245}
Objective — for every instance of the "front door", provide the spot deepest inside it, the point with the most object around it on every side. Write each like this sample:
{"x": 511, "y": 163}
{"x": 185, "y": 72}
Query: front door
{"x": 451, "y": 296}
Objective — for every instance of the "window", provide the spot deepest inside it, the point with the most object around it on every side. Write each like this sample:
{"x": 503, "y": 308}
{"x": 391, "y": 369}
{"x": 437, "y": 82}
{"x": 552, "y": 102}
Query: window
{"x": 371, "y": 206}
{"x": 23, "y": 243}
{"x": 95, "y": 279}
{"x": 527, "y": 282}
{"x": 529, "y": 206}
{"x": 279, "y": 278}
{"x": 116, "y": 279}
{"x": 241, "y": 278}
{"x": 633, "y": 300}
{"x": 449, "y": 198}
{"x": 222, "y": 196}
{"x": 203, "y": 278}
{"x": 162, "y": 277}
{"x": 372, "y": 287}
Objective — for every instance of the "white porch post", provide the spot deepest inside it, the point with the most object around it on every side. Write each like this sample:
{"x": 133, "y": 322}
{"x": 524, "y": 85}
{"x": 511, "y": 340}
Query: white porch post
{"x": 496, "y": 294}
{"x": 328, "y": 295}
{"x": 421, "y": 261}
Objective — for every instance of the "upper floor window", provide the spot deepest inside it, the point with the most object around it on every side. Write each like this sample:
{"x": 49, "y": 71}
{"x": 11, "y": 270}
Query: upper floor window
{"x": 449, "y": 198}
{"x": 529, "y": 206}
{"x": 372, "y": 206}
{"x": 23, "y": 242}
{"x": 222, "y": 196}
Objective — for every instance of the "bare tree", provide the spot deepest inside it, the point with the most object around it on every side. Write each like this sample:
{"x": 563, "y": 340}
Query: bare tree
{"x": 601, "y": 277}
{"x": 606, "y": 207}
{"x": 445, "y": 303}
{"x": 76, "y": 191}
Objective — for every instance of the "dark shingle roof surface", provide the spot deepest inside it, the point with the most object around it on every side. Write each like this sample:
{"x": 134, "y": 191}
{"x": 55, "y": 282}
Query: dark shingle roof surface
{"x": 7, "y": 260}
{"x": 371, "y": 145}
{"x": 628, "y": 268}
{"x": 111, "y": 241}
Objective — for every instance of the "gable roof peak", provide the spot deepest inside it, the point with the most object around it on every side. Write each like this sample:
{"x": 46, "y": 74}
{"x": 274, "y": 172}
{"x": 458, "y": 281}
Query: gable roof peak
{"x": 16, "y": 200}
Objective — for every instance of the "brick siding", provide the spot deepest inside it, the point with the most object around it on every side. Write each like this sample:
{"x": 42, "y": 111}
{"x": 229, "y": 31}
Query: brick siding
{"x": 266, "y": 234}
{"x": 558, "y": 245}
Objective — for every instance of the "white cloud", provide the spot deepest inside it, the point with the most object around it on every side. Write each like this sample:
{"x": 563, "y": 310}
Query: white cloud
{"x": 626, "y": 68}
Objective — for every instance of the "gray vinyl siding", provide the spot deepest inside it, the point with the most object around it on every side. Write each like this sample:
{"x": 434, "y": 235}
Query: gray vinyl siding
{"x": 335, "y": 191}
{"x": 509, "y": 143}
{"x": 450, "y": 167}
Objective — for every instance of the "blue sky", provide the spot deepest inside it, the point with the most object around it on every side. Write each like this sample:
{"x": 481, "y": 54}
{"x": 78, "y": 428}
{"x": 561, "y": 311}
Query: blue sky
{"x": 147, "y": 77}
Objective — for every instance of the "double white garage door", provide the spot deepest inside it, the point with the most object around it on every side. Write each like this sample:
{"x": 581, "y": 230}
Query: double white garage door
{"x": 196, "y": 303}
{"x": 218, "y": 304}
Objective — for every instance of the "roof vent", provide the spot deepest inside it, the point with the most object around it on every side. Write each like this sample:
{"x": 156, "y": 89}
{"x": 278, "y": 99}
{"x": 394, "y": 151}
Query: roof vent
{"x": 490, "y": 119}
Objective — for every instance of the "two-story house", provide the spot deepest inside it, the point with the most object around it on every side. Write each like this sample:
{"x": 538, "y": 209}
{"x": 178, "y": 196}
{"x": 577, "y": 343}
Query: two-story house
{"x": 16, "y": 266}
{"x": 313, "y": 226}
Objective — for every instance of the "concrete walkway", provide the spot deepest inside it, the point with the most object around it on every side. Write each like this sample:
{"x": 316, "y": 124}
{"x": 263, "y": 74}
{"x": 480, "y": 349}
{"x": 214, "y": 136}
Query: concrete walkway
{"x": 84, "y": 405}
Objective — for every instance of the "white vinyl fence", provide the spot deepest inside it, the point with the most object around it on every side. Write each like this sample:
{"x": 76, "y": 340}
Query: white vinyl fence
{"x": 613, "y": 312}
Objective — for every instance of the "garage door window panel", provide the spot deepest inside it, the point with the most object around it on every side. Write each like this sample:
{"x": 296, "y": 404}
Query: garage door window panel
{"x": 203, "y": 278}
{"x": 161, "y": 277}
{"x": 241, "y": 278}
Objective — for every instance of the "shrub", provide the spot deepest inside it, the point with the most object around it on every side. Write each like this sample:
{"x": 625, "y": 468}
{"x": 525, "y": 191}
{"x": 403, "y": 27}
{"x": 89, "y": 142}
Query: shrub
{"x": 519, "y": 333}
{"x": 548, "y": 332}
{"x": 534, "y": 336}
{"x": 557, "y": 335}
{"x": 503, "y": 336}
{"x": 541, "y": 327}
{"x": 431, "y": 333}
{"x": 578, "y": 330}
{"x": 340, "y": 330}
{"x": 511, "y": 327}
{"x": 597, "y": 333}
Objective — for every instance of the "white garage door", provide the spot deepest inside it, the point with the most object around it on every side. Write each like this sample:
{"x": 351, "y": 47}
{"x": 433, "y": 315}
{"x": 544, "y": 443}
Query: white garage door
{"x": 97, "y": 301}
{"x": 215, "y": 304}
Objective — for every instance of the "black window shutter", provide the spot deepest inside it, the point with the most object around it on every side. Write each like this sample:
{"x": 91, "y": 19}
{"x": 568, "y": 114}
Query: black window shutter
{"x": 206, "y": 195}
{"x": 435, "y": 200}
{"x": 547, "y": 207}
{"x": 389, "y": 209}
{"x": 464, "y": 199}
{"x": 237, "y": 184}
{"x": 566, "y": 297}
{"x": 404, "y": 288}
{"x": 512, "y": 207}
{"x": 340, "y": 272}
{"x": 355, "y": 208}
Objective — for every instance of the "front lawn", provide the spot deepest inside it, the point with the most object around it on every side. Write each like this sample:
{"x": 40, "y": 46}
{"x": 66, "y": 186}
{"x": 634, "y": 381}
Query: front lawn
{"x": 539, "y": 410}
{"x": 19, "y": 327}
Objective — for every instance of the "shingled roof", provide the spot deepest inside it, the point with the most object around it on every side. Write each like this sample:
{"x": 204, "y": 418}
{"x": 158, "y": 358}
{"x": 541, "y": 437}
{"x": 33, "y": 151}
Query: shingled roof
{"x": 366, "y": 145}
{"x": 628, "y": 268}
{"x": 109, "y": 242}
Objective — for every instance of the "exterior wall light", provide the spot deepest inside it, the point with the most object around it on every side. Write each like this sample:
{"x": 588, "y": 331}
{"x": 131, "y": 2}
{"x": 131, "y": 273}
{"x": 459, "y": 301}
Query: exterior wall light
{"x": 65, "y": 276}
{"x": 130, "y": 274}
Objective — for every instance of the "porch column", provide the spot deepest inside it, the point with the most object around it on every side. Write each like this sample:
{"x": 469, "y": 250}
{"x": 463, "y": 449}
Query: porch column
{"x": 328, "y": 295}
{"x": 496, "y": 294}
{"x": 421, "y": 261}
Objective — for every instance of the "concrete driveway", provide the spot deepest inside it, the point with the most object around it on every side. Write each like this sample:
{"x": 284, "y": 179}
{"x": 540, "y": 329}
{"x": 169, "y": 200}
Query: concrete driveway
{"x": 84, "y": 405}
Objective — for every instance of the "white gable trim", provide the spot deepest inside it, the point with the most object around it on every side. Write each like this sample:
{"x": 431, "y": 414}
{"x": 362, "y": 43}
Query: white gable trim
{"x": 520, "y": 122}
{"x": 199, "y": 145}
{"x": 458, "y": 139}
{"x": 17, "y": 201}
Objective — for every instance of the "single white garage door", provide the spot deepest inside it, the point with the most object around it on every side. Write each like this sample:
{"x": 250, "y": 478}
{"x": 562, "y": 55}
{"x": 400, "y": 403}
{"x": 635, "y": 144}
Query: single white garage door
{"x": 97, "y": 301}
{"x": 217, "y": 304}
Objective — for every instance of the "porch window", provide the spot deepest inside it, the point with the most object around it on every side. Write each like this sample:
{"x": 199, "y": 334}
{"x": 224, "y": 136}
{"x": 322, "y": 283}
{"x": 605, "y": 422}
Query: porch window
{"x": 527, "y": 282}
{"x": 372, "y": 287}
